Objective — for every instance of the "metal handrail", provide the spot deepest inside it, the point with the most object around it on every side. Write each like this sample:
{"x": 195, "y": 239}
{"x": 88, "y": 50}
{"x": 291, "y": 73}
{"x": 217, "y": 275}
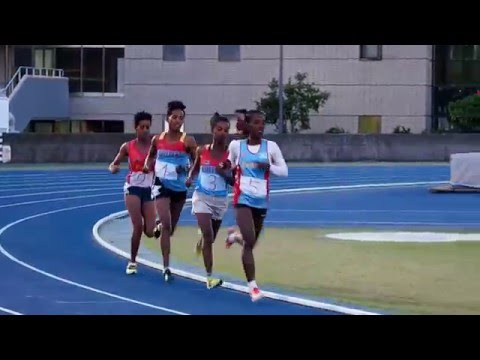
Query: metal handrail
{"x": 30, "y": 71}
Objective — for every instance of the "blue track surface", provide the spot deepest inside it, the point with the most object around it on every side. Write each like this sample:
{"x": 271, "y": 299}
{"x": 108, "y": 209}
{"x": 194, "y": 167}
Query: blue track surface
{"x": 55, "y": 267}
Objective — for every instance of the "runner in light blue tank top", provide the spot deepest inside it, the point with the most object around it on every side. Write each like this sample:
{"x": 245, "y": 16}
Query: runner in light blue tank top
{"x": 170, "y": 157}
{"x": 253, "y": 160}
{"x": 254, "y": 181}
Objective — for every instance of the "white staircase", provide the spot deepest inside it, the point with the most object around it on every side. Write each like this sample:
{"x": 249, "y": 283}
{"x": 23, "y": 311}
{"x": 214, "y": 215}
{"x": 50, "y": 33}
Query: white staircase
{"x": 22, "y": 71}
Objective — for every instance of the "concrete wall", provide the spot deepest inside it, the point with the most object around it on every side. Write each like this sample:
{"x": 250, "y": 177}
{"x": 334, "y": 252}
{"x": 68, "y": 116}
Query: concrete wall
{"x": 3, "y": 68}
{"x": 39, "y": 98}
{"x": 78, "y": 148}
{"x": 398, "y": 87}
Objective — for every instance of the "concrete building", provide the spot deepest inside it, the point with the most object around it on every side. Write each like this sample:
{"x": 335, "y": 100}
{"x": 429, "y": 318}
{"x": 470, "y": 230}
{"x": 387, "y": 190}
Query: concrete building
{"x": 373, "y": 88}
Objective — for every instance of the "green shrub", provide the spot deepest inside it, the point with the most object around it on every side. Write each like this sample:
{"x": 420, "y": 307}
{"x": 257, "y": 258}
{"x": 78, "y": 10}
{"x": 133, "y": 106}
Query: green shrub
{"x": 465, "y": 113}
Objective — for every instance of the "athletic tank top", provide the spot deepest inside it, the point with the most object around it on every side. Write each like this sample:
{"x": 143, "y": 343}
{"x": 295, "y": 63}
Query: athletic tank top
{"x": 135, "y": 175}
{"x": 169, "y": 156}
{"x": 208, "y": 181}
{"x": 251, "y": 183}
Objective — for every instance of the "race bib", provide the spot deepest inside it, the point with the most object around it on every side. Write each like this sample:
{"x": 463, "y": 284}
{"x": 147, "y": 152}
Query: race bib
{"x": 253, "y": 187}
{"x": 213, "y": 182}
{"x": 166, "y": 171}
{"x": 140, "y": 179}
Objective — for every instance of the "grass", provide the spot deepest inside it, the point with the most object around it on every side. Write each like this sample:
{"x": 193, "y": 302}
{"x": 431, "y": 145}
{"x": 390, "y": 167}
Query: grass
{"x": 393, "y": 277}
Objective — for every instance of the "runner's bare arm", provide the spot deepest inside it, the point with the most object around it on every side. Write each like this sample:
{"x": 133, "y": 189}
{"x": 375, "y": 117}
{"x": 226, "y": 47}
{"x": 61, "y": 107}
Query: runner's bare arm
{"x": 228, "y": 175}
{"x": 191, "y": 145}
{"x": 195, "y": 168}
{"x": 151, "y": 154}
{"x": 114, "y": 167}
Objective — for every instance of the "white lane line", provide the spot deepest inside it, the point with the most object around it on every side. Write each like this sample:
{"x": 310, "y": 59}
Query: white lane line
{"x": 74, "y": 190}
{"x": 8, "y": 311}
{"x": 41, "y": 184}
{"x": 60, "y": 199}
{"x": 69, "y": 282}
{"x": 60, "y": 186}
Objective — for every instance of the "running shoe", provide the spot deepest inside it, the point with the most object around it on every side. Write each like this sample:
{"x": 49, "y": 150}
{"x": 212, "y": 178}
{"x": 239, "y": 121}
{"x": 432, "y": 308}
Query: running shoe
{"x": 213, "y": 283}
{"x": 231, "y": 238}
{"x": 167, "y": 275}
{"x": 131, "y": 268}
{"x": 255, "y": 294}
{"x": 157, "y": 231}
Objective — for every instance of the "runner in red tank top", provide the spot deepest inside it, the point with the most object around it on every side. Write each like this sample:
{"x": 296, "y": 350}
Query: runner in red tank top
{"x": 138, "y": 185}
{"x": 209, "y": 200}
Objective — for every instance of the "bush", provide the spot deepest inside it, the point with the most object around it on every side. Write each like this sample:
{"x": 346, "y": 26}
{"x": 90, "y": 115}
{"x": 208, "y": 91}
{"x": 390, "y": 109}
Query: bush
{"x": 465, "y": 113}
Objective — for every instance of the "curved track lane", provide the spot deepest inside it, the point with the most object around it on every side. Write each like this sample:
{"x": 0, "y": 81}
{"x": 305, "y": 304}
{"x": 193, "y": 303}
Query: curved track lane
{"x": 55, "y": 267}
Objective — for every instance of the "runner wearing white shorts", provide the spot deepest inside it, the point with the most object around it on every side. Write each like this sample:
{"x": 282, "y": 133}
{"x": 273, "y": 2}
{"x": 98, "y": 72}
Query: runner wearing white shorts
{"x": 209, "y": 200}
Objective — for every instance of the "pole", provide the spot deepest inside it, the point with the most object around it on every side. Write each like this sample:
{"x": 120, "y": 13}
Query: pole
{"x": 281, "y": 120}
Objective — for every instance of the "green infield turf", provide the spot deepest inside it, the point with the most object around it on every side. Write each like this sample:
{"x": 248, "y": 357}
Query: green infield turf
{"x": 413, "y": 278}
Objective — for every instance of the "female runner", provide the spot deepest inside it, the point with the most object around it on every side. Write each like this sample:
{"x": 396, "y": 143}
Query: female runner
{"x": 173, "y": 151}
{"x": 254, "y": 159}
{"x": 209, "y": 200}
{"x": 138, "y": 185}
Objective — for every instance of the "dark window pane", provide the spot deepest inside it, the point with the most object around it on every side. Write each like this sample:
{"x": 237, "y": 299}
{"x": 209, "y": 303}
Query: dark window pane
{"x": 69, "y": 59}
{"x": 371, "y": 52}
{"x": 23, "y": 56}
{"x": 174, "y": 52}
{"x": 228, "y": 52}
{"x": 112, "y": 68}
{"x": 92, "y": 70}
{"x": 113, "y": 126}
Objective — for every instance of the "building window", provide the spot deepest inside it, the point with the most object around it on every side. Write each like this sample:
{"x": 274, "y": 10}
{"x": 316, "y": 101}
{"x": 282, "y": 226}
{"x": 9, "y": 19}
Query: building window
{"x": 228, "y": 52}
{"x": 458, "y": 65}
{"x": 369, "y": 124}
{"x": 371, "y": 52}
{"x": 89, "y": 69}
{"x": 70, "y": 60}
{"x": 92, "y": 70}
{"x": 173, "y": 52}
{"x": 464, "y": 52}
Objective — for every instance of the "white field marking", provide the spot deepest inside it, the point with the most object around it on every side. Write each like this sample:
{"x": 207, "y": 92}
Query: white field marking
{"x": 61, "y": 199}
{"x": 74, "y": 190}
{"x": 228, "y": 285}
{"x": 405, "y": 236}
{"x": 8, "y": 311}
{"x": 364, "y": 186}
{"x": 66, "y": 281}
{"x": 349, "y": 222}
{"x": 346, "y": 222}
{"x": 373, "y": 211}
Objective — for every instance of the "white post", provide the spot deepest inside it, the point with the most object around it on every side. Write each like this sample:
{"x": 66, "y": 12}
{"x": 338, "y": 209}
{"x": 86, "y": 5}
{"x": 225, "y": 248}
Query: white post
{"x": 4, "y": 114}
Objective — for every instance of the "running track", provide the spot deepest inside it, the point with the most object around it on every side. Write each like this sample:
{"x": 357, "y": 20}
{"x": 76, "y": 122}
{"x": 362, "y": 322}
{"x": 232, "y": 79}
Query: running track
{"x": 52, "y": 265}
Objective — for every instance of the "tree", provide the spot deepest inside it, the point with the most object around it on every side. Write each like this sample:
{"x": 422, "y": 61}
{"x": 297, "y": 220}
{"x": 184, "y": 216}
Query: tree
{"x": 465, "y": 113}
{"x": 300, "y": 98}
